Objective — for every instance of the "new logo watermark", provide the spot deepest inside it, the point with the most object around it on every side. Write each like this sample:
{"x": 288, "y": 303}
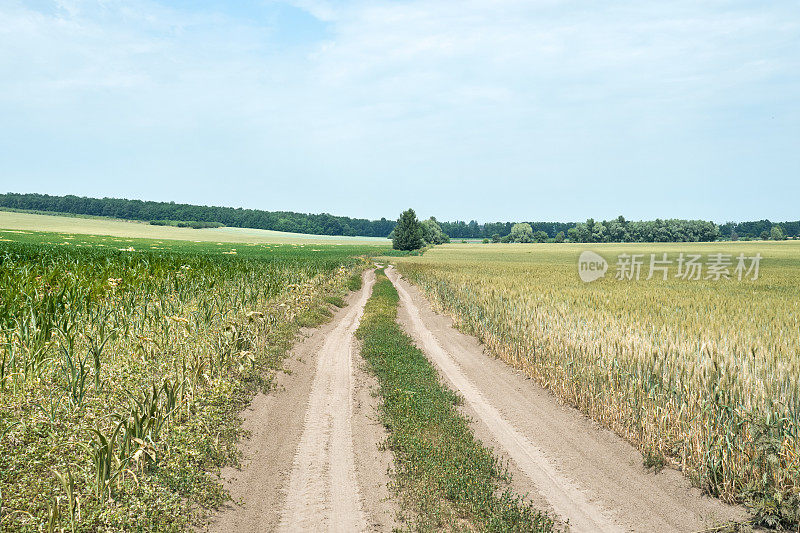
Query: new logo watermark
{"x": 688, "y": 266}
{"x": 591, "y": 266}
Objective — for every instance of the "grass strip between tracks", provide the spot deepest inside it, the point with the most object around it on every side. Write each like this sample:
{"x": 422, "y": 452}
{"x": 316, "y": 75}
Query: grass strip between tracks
{"x": 443, "y": 476}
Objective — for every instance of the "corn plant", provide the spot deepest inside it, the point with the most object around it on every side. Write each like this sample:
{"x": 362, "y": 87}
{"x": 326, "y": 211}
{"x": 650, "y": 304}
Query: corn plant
{"x": 108, "y": 465}
{"x": 67, "y": 482}
{"x": 75, "y": 370}
{"x": 135, "y": 345}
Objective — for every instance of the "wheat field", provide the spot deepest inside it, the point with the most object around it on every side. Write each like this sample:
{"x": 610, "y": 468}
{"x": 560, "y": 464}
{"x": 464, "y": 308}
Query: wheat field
{"x": 702, "y": 374}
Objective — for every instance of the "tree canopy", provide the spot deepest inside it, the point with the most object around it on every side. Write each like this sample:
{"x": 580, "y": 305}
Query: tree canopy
{"x": 521, "y": 232}
{"x": 776, "y": 233}
{"x": 432, "y": 233}
{"x": 407, "y": 232}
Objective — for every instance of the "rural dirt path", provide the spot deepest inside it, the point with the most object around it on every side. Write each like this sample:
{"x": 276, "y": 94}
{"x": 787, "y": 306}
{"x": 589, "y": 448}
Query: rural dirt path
{"x": 304, "y": 467}
{"x": 565, "y": 462}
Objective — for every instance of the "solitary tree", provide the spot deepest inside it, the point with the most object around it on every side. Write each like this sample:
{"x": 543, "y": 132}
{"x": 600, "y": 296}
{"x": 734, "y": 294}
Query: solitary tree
{"x": 776, "y": 233}
{"x": 407, "y": 233}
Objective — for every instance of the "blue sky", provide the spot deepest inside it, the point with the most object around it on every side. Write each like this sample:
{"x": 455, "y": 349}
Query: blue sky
{"x": 492, "y": 110}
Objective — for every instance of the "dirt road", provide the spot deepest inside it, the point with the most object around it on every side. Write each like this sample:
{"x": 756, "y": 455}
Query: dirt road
{"x": 584, "y": 474}
{"x": 304, "y": 468}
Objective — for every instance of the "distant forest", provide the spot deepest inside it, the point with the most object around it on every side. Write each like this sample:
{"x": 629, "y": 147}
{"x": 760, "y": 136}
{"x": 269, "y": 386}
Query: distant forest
{"x": 473, "y": 230}
{"x": 323, "y": 224}
{"x": 615, "y": 230}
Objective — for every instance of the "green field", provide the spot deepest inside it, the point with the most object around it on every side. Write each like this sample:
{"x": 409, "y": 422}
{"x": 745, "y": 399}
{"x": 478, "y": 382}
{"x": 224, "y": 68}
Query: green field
{"x": 29, "y": 222}
{"x": 702, "y": 373}
{"x": 124, "y": 363}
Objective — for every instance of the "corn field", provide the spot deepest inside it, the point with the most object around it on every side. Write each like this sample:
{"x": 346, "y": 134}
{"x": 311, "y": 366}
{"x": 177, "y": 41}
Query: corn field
{"x": 122, "y": 374}
{"x": 702, "y": 374}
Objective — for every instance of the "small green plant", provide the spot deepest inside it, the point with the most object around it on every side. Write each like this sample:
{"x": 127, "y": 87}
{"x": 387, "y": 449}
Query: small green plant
{"x": 336, "y": 301}
{"x": 653, "y": 459}
{"x": 67, "y": 483}
{"x": 354, "y": 282}
{"x": 141, "y": 427}
{"x": 98, "y": 343}
{"x": 108, "y": 465}
{"x": 54, "y": 516}
{"x": 75, "y": 369}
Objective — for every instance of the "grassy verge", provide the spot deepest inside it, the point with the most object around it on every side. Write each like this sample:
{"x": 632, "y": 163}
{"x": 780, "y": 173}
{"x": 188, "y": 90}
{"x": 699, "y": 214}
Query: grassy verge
{"x": 354, "y": 282}
{"x": 444, "y": 477}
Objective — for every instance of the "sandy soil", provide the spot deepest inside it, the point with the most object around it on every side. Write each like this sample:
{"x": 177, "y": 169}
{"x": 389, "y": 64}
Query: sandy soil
{"x": 304, "y": 469}
{"x": 584, "y": 474}
{"x": 373, "y": 463}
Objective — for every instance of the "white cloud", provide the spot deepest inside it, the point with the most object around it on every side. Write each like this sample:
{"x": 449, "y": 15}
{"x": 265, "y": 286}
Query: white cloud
{"x": 434, "y": 94}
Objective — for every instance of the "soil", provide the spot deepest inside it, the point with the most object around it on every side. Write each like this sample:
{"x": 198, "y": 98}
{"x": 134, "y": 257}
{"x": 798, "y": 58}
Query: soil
{"x": 312, "y": 462}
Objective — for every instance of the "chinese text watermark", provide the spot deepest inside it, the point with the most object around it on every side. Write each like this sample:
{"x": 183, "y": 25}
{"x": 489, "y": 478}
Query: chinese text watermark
{"x": 686, "y": 266}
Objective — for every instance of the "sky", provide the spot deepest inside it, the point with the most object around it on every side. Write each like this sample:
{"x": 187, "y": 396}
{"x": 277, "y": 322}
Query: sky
{"x": 490, "y": 110}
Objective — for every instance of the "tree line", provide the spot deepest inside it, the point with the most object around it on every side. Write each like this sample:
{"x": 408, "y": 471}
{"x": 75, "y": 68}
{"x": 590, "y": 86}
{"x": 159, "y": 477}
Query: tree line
{"x": 678, "y": 230}
{"x": 761, "y": 229}
{"x": 322, "y": 224}
{"x": 616, "y": 230}
{"x": 667, "y": 230}
{"x": 621, "y": 230}
{"x": 472, "y": 230}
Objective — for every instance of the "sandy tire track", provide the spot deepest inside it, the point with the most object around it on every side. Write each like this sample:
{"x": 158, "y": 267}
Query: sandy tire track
{"x": 583, "y": 473}
{"x": 302, "y": 473}
{"x": 323, "y": 491}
